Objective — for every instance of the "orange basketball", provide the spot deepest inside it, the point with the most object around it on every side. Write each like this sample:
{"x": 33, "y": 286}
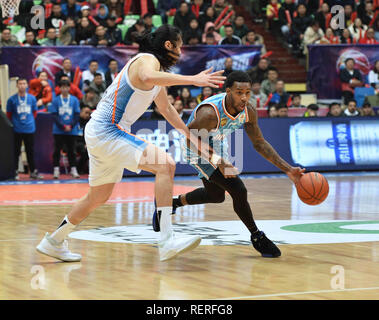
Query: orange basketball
{"x": 313, "y": 188}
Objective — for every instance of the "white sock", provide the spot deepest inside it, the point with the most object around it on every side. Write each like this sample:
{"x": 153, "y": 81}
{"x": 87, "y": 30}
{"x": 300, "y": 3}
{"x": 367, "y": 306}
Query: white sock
{"x": 63, "y": 230}
{"x": 165, "y": 222}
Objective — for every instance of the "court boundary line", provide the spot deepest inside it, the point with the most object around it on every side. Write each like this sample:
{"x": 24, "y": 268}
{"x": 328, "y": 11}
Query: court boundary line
{"x": 283, "y": 294}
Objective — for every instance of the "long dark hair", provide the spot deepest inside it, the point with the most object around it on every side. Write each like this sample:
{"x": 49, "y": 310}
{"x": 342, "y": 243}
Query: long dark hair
{"x": 153, "y": 42}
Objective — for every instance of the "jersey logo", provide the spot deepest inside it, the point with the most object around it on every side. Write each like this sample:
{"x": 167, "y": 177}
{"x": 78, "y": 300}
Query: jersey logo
{"x": 223, "y": 122}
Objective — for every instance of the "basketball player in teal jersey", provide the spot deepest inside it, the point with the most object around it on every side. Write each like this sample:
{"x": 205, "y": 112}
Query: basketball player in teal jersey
{"x": 112, "y": 147}
{"x": 218, "y": 116}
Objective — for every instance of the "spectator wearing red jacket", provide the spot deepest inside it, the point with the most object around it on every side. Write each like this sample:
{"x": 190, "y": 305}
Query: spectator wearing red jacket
{"x": 41, "y": 89}
{"x": 369, "y": 37}
{"x": 74, "y": 90}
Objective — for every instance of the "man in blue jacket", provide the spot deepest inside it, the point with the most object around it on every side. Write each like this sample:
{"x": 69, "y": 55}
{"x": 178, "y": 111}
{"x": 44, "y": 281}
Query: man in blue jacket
{"x": 21, "y": 111}
{"x": 65, "y": 109}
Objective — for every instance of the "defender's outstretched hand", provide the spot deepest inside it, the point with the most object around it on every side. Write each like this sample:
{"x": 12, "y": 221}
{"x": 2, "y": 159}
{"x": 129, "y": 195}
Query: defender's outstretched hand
{"x": 295, "y": 173}
{"x": 208, "y": 79}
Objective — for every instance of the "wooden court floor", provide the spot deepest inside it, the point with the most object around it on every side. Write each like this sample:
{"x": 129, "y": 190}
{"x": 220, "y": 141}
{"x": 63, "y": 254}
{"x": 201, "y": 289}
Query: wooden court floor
{"x": 337, "y": 259}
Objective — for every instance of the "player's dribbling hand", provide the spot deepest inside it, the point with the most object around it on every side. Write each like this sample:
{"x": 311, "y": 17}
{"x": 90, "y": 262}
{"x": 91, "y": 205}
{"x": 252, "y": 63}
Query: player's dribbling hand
{"x": 295, "y": 173}
{"x": 208, "y": 79}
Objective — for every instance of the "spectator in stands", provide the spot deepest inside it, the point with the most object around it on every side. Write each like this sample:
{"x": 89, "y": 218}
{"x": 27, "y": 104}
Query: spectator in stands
{"x": 112, "y": 72}
{"x": 178, "y": 105}
{"x": 350, "y": 78}
{"x": 346, "y": 37}
{"x": 100, "y": 38}
{"x": 373, "y": 76}
{"x": 167, "y": 8}
{"x": 192, "y": 103}
{"x": 84, "y": 31}
{"x": 369, "y": 37}
{"x": 185, "y": 97}
{"x": 21, "y": 111}
{"x": 65, "y": 110}
{"x": 193, "y": 31}
{"x": 210, "y": 39}
{"x": 296, "y": 101}
{"x": 135, "y": 7}
{"x": 71, "y": 9}
{"x": 269, "y": 84}
{"x": 65, "y": 37}
{"x": 287, "y": 7}
{"x": 81, "y": 149}
{"x": 102, "y": 15}
{"x": 116, "y": 8}
{"x": 198, "y": 7}
{"x": 148, "y": 21}
{"x": 376, "y": 27}
{"x": 220, "y": 5}
{"x": 272, "y": 111}
{"x": 229, "y": 38}
{"x": 206, "y": 92}
{"x": 348, "y": 8}
{"x": 207, "y": 16}
{"x": 135, "y": 30}
{"x": 98, "y": 84}
{"x": 351, "y": 110}
{"x": 335, "y": 110}
{"x": 259, "y": 72}
{"x": 210, "y": 28}
{"x": 312, "y": 110}
{"x": 299, "y": 24}
{"x": 30, "y": 39}
{"x": 367, "y": 110}
{"x": 57, "y": 18}
{"x": 89, "y": 75}
{"x": 252, "y": 38}
{"x": 272, "y": 13}
{"x": 279, "y": 96}
{"x": 85, "y": 11}
{"x": 94, "y": 7}
{"x": 322, "y": 16}
{"x": 357, "y": 30}
{"x": 41, "y": 90}
{"x": 228, "y": 66}
{"x": 312, "y": 35}
{"x": 329, "y": 37}
{"x": 257, "y": 98}
{"x": 90, "y": 99}
{"x": 51, "y": 38}
{"x": 7, "y": 39}
{"x": 66, "y": 71}
{"x": 183, "y": 17}
{"x": 282, "y": 111}
{"x": 368, "y": 14}
{"x": 239, "y": 27}
{"x": 74, "y": 90}
{"x": 113, "y": 33}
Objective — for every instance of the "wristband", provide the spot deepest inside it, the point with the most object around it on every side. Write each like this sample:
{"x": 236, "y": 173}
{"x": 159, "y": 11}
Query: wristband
{"x": 215, "y": 158}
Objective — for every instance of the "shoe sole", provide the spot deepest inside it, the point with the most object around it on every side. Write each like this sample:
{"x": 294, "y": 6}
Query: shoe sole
{"x": 184, "y": 250}
{"x": 45, "y": 253}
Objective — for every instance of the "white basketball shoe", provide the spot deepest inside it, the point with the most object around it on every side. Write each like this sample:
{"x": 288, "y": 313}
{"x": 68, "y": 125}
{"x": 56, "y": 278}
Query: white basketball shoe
{"x": 175, "y": 245}
{"x": 57, "y": 250}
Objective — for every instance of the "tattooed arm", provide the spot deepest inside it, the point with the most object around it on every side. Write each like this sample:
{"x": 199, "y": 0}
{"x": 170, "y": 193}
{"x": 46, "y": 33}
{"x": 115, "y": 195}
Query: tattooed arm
{"x": 266, "y": 150}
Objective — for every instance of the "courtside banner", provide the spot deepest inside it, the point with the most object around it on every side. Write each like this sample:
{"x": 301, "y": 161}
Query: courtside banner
{"x": 317, "y": 144}
{"x": 326, "y": 62}
{"x": 27, "y": 62}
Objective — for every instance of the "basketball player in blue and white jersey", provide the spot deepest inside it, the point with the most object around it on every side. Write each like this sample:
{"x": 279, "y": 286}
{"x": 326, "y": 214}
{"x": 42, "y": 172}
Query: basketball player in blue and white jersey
{"x": 112, "y": 147}
{"x": 214, "y": 119}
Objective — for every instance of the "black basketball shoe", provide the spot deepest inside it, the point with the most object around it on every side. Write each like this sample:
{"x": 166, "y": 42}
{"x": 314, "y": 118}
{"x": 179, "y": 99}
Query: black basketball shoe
{"x": 157, "y": 217}
{"x": 264, "y": 245}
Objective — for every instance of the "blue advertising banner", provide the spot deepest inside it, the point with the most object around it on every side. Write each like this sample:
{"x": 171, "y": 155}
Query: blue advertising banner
{"x": 326, "y": 61}
{"x": 27, "y": 62}
{"x": 317, "y": 144}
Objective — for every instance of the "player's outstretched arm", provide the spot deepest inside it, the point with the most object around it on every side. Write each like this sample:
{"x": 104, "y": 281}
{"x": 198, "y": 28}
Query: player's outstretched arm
{"x": 266, "y": 150}
{"x": 149, "y": 73}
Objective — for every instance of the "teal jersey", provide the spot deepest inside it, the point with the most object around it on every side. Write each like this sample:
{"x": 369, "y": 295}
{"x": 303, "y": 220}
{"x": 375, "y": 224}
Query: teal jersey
{"x": 218, "y": 138}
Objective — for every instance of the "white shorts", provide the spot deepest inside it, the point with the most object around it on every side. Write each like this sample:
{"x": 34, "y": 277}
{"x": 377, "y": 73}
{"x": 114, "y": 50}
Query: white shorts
{"x": 110, "y": 151}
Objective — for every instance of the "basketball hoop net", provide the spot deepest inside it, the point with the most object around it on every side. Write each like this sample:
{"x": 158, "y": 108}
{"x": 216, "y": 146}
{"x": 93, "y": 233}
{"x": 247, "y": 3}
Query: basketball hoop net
{"x": 9, "y": 7}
